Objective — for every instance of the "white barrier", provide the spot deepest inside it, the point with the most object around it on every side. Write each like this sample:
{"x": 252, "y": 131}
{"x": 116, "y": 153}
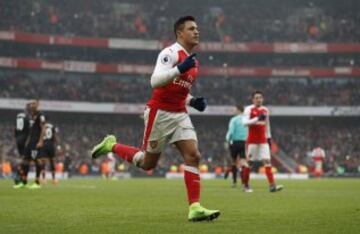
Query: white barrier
{"x": 291, "y": 176}
{"x": 64, "y": 176}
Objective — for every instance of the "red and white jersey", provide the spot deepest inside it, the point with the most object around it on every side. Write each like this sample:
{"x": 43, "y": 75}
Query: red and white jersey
{"x": 259, "y": 131}
{"x": 172, "y": 97}
{"x": 318, "y": 154}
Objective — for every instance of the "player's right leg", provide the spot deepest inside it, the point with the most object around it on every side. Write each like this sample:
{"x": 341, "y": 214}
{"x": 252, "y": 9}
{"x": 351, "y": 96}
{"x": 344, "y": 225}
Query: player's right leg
{"x": 25, "y": 165}
{"x": 20, "y": 174}
{"x": 20, "y": 179}
{"x": 38, "y": 168}
{"x": 52, "y": 169}
{"x": 246, "y": 163}
{"x": 245, "y": 174}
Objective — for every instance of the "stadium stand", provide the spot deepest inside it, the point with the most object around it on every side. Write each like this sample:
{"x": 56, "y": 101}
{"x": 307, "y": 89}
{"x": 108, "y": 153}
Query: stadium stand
{"x": 299, "y": 21}
{"x": 86, "y": 87}
{"x": 296, "y": 137}
{"x": 303, "y": 54}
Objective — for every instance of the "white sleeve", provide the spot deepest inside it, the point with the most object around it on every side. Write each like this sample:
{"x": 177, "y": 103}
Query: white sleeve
{"x": 165, "y": 70}
{"x": 268, "y": 130}
{"x": 246, "y": 119}
{"x": 188, "y": 98}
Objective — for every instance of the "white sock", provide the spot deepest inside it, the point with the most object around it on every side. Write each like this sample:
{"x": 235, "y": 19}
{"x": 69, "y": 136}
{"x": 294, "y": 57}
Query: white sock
{"x": 138, "y": 157}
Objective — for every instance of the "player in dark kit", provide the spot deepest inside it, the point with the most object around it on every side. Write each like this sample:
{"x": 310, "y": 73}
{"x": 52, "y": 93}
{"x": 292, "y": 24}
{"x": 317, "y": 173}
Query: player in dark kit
{"x": 22, "y": 128}
{"x": 47, "y": 152}
{"x": 34, "y": 143}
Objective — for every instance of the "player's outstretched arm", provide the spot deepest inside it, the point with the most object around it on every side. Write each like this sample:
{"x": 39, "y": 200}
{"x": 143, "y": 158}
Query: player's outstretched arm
{"x": 246, "y": 119}
{"x": 165, "y": 70}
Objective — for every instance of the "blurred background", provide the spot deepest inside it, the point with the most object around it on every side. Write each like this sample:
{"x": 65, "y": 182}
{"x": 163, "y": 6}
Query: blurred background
{"x": 89, "y": 62}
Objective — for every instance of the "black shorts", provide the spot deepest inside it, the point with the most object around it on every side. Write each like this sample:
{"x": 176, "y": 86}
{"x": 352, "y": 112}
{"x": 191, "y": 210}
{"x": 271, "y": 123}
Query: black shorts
{"x": 32, "y": 153}
{"x": 20, "y": 143}
{"x": 48, "y": 151}
{"x": 237, "y": 149}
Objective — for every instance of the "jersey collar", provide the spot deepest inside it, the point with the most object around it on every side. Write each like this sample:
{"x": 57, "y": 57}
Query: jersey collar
{"x": 177, "y": 44}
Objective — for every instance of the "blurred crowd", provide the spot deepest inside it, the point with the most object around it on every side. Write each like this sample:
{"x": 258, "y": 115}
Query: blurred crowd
{"x": 295, "y": 138}
{"x": 226, "y": 21}
{"x": 107, "y": 88}
{"x": 339, "y": 140}
{"x": 104, "y": 55}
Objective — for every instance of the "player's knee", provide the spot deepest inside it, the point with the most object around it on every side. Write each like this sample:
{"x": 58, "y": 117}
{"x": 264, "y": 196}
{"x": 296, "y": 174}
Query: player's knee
{"x": 194, "y": 157}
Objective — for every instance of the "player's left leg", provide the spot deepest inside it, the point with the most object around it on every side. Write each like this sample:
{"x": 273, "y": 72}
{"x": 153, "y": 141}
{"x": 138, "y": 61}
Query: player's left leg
{"x": 234, "y": 151}
{"x": 234, "y": 170}
{"x": 265, "y": 155}
{"x": 145, "y": 160}
{"x": 191, "y": 155}
{"x": 38, "y": 169}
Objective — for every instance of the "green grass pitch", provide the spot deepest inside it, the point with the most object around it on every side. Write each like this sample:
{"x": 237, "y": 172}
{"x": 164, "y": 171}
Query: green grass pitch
{"x": 159, "y": 206}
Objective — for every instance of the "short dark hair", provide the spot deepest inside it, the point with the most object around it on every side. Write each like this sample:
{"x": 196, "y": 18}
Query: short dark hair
{"x": 179, "y": 24}
{"x": 257, "y": 92}
{"x": 240, "y": 107}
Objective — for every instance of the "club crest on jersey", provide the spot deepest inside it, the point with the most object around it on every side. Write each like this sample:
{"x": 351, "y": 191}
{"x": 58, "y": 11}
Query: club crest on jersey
{"x": 166, "y": 59}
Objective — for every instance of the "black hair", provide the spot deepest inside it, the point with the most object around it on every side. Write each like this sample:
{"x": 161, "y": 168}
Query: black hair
{"x": 257, "y": 92}
{"x": 179, "y": 24}
{"x": 240, "y": 107}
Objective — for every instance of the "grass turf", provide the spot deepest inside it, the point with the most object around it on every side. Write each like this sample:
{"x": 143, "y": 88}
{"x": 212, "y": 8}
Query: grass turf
{"x": 159, "y": 206}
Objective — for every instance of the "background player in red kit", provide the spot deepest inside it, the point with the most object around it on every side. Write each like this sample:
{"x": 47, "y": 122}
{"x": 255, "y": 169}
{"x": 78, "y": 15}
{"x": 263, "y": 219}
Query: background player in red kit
{"x": 166, "y": 118}
{"x": 256, "y": 116}
{"x": 318, "y": 156}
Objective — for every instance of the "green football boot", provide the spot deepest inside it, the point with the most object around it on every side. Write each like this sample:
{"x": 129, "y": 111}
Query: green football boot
{"x": 19, "y": 185}
{"x": 275, "y": 188}
{"x": 104, "y": 147}
{"x": 33, "y": 186}
{"x": 198, "y": 213}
